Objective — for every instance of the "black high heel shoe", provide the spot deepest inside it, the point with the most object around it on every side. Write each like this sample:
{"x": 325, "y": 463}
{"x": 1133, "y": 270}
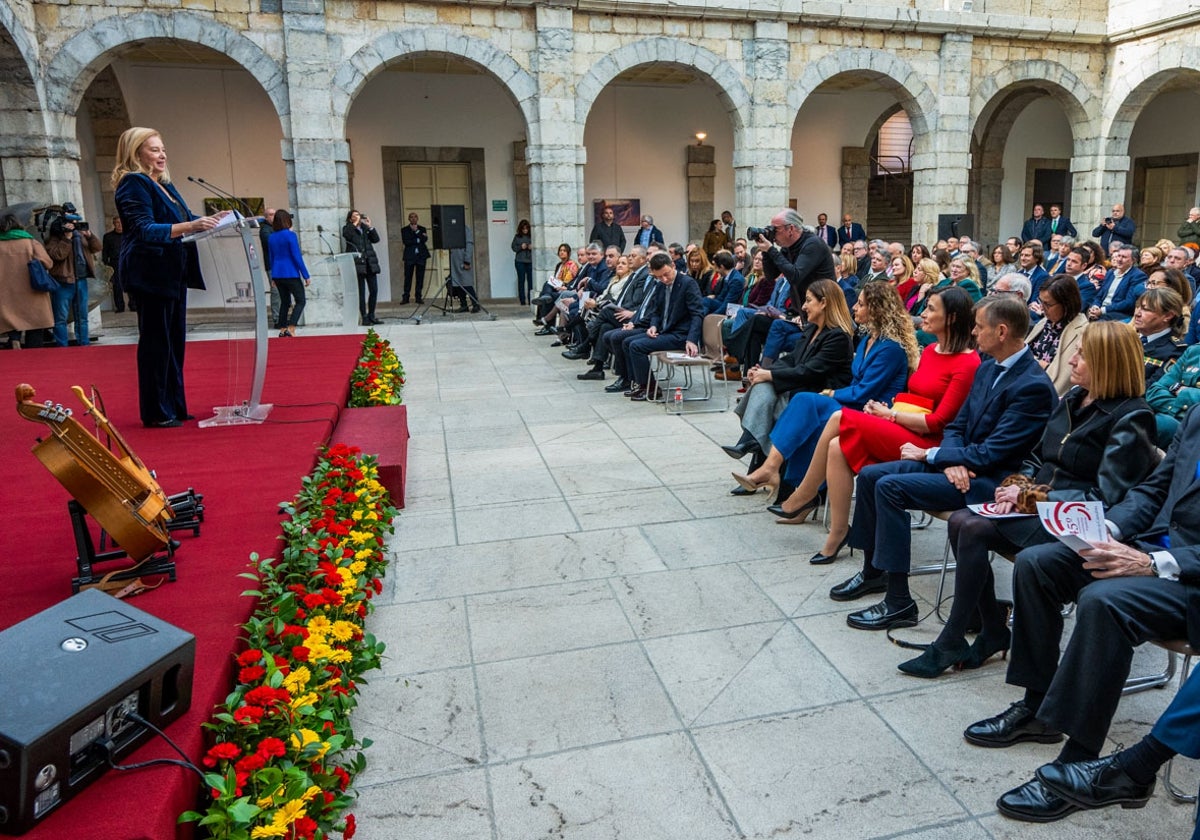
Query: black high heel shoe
{"x": 797, "y": 516}
{"x": 934, "y": 660}
{"x": 984, "y": 648}
{"x": 820, "y": 559}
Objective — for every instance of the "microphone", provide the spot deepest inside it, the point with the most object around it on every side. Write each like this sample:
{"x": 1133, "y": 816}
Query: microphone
{"x": 321, "y": 236}
{"x": 220, "y": 193}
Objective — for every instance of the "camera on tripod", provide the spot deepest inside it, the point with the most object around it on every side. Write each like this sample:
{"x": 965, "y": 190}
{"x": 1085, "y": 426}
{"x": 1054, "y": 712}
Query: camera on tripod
{"x": 767, "y": 233}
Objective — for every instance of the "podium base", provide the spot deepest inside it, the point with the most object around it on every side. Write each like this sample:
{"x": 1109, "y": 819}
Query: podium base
{"x": 237, "y": 415}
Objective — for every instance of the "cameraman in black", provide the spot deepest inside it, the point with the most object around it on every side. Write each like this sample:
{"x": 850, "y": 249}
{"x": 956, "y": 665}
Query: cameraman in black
{"x": 796, "y": 254}
{"x": 71, "y": 245}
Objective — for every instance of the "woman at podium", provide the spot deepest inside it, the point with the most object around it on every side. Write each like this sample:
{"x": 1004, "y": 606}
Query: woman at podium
{"x": 157, "y": 268}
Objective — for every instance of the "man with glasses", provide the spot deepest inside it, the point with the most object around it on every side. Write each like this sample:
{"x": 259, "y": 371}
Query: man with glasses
{"x": 1118, "y": 227}
{"x": 1012, "y": 284}
{"x": 1124, "y": 283}
{"x": 648, "y": 233}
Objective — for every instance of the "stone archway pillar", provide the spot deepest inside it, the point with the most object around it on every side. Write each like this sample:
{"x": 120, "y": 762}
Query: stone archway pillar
{"x": 987, "y": 217}
{"x": 762, "y": 154}
{"x": 555, "y": 159}
{"x": 944, "y": 158}
{"x": 1097, "y": 183}
{"x": 37, "y": 164}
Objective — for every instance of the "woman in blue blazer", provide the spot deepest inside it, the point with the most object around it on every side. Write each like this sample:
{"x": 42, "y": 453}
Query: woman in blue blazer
{"x": 157, "y": 268}
{"x": 288, "y": 272}
{"x": 885, "y": 356}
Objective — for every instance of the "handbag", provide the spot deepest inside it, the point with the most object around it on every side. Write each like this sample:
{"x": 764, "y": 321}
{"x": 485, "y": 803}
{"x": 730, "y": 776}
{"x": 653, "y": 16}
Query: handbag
{"x": 913, "y": 404}
{"x": 40, "y": 279}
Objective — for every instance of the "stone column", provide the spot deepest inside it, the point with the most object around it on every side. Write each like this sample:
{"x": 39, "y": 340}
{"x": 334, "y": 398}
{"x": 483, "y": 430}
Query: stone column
{"x": 944, "y": 153}
{"x": 36, "y": 164}
{"x": 520, "y": 182}
{"x": 315, "y": 156}
{"x": 554, "y": 156}
{"x": 701, "y": 176}
{"x": 1097, "y": 183}
{"x": 856, "y": 177}
{"x": 762, "y": 154}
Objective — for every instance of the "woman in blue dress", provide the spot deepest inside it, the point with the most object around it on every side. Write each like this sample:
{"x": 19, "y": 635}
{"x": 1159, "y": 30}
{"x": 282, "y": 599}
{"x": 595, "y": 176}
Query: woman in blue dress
{"x": 886, "y": 354}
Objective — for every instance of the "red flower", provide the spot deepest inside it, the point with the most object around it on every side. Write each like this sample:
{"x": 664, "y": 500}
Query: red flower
{"x": 252, "y": 673}
{"x": 300, "y": 653}
{"x": 252, "y": 762}
{"x": 264, "y": 695}
{"x": 343, "y": 778}
{"x": 271, "y": 747}
{"x": 221, "y": 752}
{"x": 248, "y": 715}
{"x": 304, "y": 828}
{"x": 351, "y": 827}
{"x": 251, "y": 656}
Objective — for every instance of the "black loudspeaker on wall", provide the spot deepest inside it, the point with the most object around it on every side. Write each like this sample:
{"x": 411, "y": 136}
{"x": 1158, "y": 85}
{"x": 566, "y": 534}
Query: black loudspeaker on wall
{"x": 449, "y": 226}
{"x": 956, "y": 225}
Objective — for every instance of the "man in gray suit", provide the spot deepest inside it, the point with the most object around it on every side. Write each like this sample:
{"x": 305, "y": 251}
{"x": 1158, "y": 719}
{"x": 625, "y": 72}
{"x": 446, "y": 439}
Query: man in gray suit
{"x": 1142, "y": 585}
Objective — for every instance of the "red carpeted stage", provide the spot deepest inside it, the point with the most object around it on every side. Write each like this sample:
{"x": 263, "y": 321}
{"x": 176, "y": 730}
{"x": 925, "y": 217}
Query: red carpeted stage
{"x": 243, "y": 472}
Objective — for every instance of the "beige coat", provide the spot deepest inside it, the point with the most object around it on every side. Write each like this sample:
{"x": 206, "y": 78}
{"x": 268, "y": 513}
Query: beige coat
{"x": 21, "y": 308}
{"x": 1070, "y": 340}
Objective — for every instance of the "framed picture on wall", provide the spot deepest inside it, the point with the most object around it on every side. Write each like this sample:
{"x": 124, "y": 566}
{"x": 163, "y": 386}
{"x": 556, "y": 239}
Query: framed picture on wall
{"x": 627, "y": 212}
{"x": 216, "y": 205}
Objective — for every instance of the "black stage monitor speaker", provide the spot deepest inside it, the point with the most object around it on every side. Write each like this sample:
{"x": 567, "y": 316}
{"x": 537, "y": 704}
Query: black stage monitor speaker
{"x": 956, "y": 225}
{"x": 449, "y": 226}
{"x": 69, "y": 678}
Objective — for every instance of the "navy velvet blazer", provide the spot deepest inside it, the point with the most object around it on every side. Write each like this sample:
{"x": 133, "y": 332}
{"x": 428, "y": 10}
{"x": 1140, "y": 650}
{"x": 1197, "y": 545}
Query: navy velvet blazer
{"x": 151, "y": 262}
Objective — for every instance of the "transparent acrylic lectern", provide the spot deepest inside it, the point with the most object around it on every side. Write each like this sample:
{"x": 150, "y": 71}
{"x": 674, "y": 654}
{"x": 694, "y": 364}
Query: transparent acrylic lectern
{"x": 230, "y": 256}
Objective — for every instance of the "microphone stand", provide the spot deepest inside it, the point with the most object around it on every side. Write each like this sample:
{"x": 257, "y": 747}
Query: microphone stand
{"x": 321, "y": 236}
{"x": 220, "y": 193}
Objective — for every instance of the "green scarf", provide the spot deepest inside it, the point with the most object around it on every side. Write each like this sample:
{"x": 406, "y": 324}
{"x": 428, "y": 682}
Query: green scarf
{"x": 16, "y": 233}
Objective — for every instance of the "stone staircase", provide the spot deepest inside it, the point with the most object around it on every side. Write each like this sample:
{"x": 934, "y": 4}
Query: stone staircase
{"x": 889, "y": 209}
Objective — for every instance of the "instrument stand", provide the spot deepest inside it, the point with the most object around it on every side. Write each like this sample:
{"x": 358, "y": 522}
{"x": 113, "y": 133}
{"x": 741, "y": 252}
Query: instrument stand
{"x": 88, "y": 557}
{"x": 444, "y": 294}
{"x": 189, "y": 511}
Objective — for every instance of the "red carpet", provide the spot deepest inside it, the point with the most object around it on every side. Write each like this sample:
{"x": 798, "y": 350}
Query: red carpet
{"x": 243, "y": 472}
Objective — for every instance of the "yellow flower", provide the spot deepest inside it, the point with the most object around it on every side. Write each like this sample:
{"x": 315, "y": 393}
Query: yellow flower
{"x": 360, "y": 537}
{"x": 339, "y": 656}
{"x": 301, "y": 738}
{"x": 358, "y": 566}
{"x": 356, "y": 515}
{"x": 297, "y": 679}
{"x": 289, "y": 813}
{"x": 309, "y": 699}
{"x": 269, "y": 800}
{"x": 268, "y": 831}
{"x": 319, "y": 625}
{"x": 310, "y": 794}
{"x": 343, "y": 631}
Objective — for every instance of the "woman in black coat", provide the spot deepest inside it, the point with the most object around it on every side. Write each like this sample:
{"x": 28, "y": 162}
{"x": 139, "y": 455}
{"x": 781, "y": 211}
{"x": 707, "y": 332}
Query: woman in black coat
{"x": 1098, "y": 444}
{"x": 360, "y": 238}
{"x": 821, "y": 359}
{"x": 157, "y": 268}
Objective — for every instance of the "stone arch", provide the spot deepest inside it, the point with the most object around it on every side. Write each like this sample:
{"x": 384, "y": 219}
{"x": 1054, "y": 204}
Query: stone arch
{"x": 372, "y": 58}
{"x": 892, "y": 72}
{"x": 80, "y": 59}
{"x": 1001, "y": 91}
{"x": 730, "y": 87}
{"x": 1131, "y": 93}
{"x": 18, "y": 51}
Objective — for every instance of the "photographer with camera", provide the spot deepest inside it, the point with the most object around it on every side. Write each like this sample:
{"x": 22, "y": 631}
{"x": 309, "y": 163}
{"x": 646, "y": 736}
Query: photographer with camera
{"x": 1117, "y": 227}
{"x": 71, "y": 245}
{"x": 791, "y": 253}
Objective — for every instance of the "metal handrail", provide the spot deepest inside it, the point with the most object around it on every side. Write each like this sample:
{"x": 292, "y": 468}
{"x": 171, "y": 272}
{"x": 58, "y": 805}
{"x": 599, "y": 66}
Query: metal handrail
{"x": 906, "y": 193}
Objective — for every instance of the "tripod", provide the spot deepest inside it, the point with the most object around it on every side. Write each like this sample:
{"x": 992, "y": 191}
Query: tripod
{"x": 443, "y": 297}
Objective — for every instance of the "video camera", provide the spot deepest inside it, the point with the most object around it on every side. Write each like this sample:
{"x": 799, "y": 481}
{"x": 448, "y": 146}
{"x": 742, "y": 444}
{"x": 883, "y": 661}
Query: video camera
{"x": 46, "y": 218}
{"x": 767, "y": 233}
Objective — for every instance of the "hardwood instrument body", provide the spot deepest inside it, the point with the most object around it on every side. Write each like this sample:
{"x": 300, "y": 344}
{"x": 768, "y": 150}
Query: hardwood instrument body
{"x": 115, "y": 488}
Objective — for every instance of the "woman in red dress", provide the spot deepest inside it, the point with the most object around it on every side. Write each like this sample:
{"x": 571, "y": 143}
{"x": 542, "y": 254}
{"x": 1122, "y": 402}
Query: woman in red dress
{"x": 852, "y": 439}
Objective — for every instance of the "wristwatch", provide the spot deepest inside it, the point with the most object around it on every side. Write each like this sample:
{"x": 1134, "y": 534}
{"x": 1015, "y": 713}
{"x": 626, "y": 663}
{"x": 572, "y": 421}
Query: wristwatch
{"x": 1153, "y": 566}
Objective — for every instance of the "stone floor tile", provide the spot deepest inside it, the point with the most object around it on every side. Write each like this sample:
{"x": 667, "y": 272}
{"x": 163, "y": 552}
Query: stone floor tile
{"x": 606, "y": 792}
{"x": 797, "y": 586}
{"x": 544, "y": 619}
{"x": 419, "y": 725}
{"x": 422, "y": 636}
{"x": 606, "y": 477}
{"x": 628, "y": 507}
{"x": 563, "y": 700}
{"x": 686, "y": 600}
{"x": 793, "y": 776}
{"x": 462, "y": 442}
{"x": 514, "y": 521}
{"x": 451, "y": 806}
{"x": 740, "y": 672}
{"x": 484, "y": 486}
{"x": 425, "y": 529}
{"x": 728, "y": 539}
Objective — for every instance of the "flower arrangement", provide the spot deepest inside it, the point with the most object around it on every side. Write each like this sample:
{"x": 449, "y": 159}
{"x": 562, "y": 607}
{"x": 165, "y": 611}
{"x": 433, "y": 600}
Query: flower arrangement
{"x": 378, "y": 378}
{"x": 284, "y": 753}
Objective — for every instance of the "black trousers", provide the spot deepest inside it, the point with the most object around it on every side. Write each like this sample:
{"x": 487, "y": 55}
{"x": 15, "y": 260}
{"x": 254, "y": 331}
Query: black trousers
{"x": 1112, "y": 617}
{"x": 162, "y": 336}
{"x": 412, "y": 269}
{"x": 617, "y": 342}
{"x": 368, "y": 294}
{"x": 290, "y": 288}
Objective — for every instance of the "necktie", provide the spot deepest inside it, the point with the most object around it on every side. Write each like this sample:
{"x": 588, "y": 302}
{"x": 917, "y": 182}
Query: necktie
{"x": 667, "y": 308}
{"x": 1143, "y": 341}
{"x": 1054, "y": 225}
{"x": 997, "y": 373}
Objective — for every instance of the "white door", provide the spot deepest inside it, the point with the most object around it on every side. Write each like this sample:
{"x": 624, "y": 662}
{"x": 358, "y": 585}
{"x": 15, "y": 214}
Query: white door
{"x": 423, "y": 185}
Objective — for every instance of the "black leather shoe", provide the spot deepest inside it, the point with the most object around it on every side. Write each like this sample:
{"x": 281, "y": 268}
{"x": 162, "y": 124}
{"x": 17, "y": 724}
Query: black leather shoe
{"x": 164, "y": 424}
{"x": 1034, "y": 802}
{"x": 631, "y": 390}
{"x": 575, "y": 354}
{"x": 546, "y": 331}
{"x": 936, "y": 659}
{"x": 985, "y": 647}
{"x": 883, "y": 616}
{"x": 1012, "y": 726}
{"x": 858, "y": 586}
{"x": 1094, "y": 784}
{"x": 617, "y": 387}
{"x": 740, "y": 449}
{"x": 653, "y": 394}
{"x": 591, "y": 374}
{"x": 742, "y": 491}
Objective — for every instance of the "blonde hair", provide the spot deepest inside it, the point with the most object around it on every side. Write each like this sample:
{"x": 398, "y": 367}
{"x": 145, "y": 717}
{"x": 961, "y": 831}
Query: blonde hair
{"x": 929, "y": 270}
{"x": 908, "y": 268}
{"x": 971, "y": 267}
{"x": 837, "y": 314}
{"x": 1115, "y": 358}
{"x": 889, "y": 319}
{"x": 128, "y": 145}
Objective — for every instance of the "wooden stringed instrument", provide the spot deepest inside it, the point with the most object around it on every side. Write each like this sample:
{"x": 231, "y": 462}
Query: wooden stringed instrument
{"x": 115, "y": 487}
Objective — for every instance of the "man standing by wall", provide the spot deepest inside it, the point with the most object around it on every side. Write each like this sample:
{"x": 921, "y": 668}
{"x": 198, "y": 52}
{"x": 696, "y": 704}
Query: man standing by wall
{"x": 416, "y": 254}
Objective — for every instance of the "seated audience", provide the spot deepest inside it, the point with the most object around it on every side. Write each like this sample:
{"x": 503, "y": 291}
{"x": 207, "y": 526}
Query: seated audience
{"x": 676, "y": 315}
{"x": 1158, "y": 319}
{"x": 884, "y": 357}
{"x": 1004, "y": 414}
{"x": 701, "y": 270}
{"x": 1139, "y": 586}
{"x": 902, "y": 276}
{"x": 1174, "y": 393}
{"x": 853, "y": 439}
{"x": 1150, "y": 259}
{"x": 1118, "y": 292}
{"x": 728, "y": 284}
{"x": 1002, "y": 263}
{"x": 1098, "y": 443}
{"x": 1013, "y": 283}
{"x": 1054, "y": 339}
{"x": 1170, "y": 278}
{"x": 611, "y": 315}
{"x": 845, "y": 269}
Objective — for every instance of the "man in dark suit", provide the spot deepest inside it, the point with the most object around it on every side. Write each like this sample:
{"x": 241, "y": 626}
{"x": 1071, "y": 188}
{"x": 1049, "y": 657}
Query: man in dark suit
{"x": 675, "y": 322}
{"x": 729, "y": 286}
{"x": 1127, "y": 777}
{"x": 825, "y": 232}
{"x": 862, "y": 254}
{"x": 1118, "y": 226}
{"x": 1003, "y": 417}
{"x": 648, "y": 233}
{"x": 850, "y": 231}
{"x": 607, "y": 232}
{"x": 1030, "y": 261}
{"x": 416, "y": 255}
{"x": 1141, "y": 585}
{"x": 611, "y": 316}
{"x": 1122, "y": 286}
{"x": 1037, "y": 226}
{"x": 1060, "y": 224}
